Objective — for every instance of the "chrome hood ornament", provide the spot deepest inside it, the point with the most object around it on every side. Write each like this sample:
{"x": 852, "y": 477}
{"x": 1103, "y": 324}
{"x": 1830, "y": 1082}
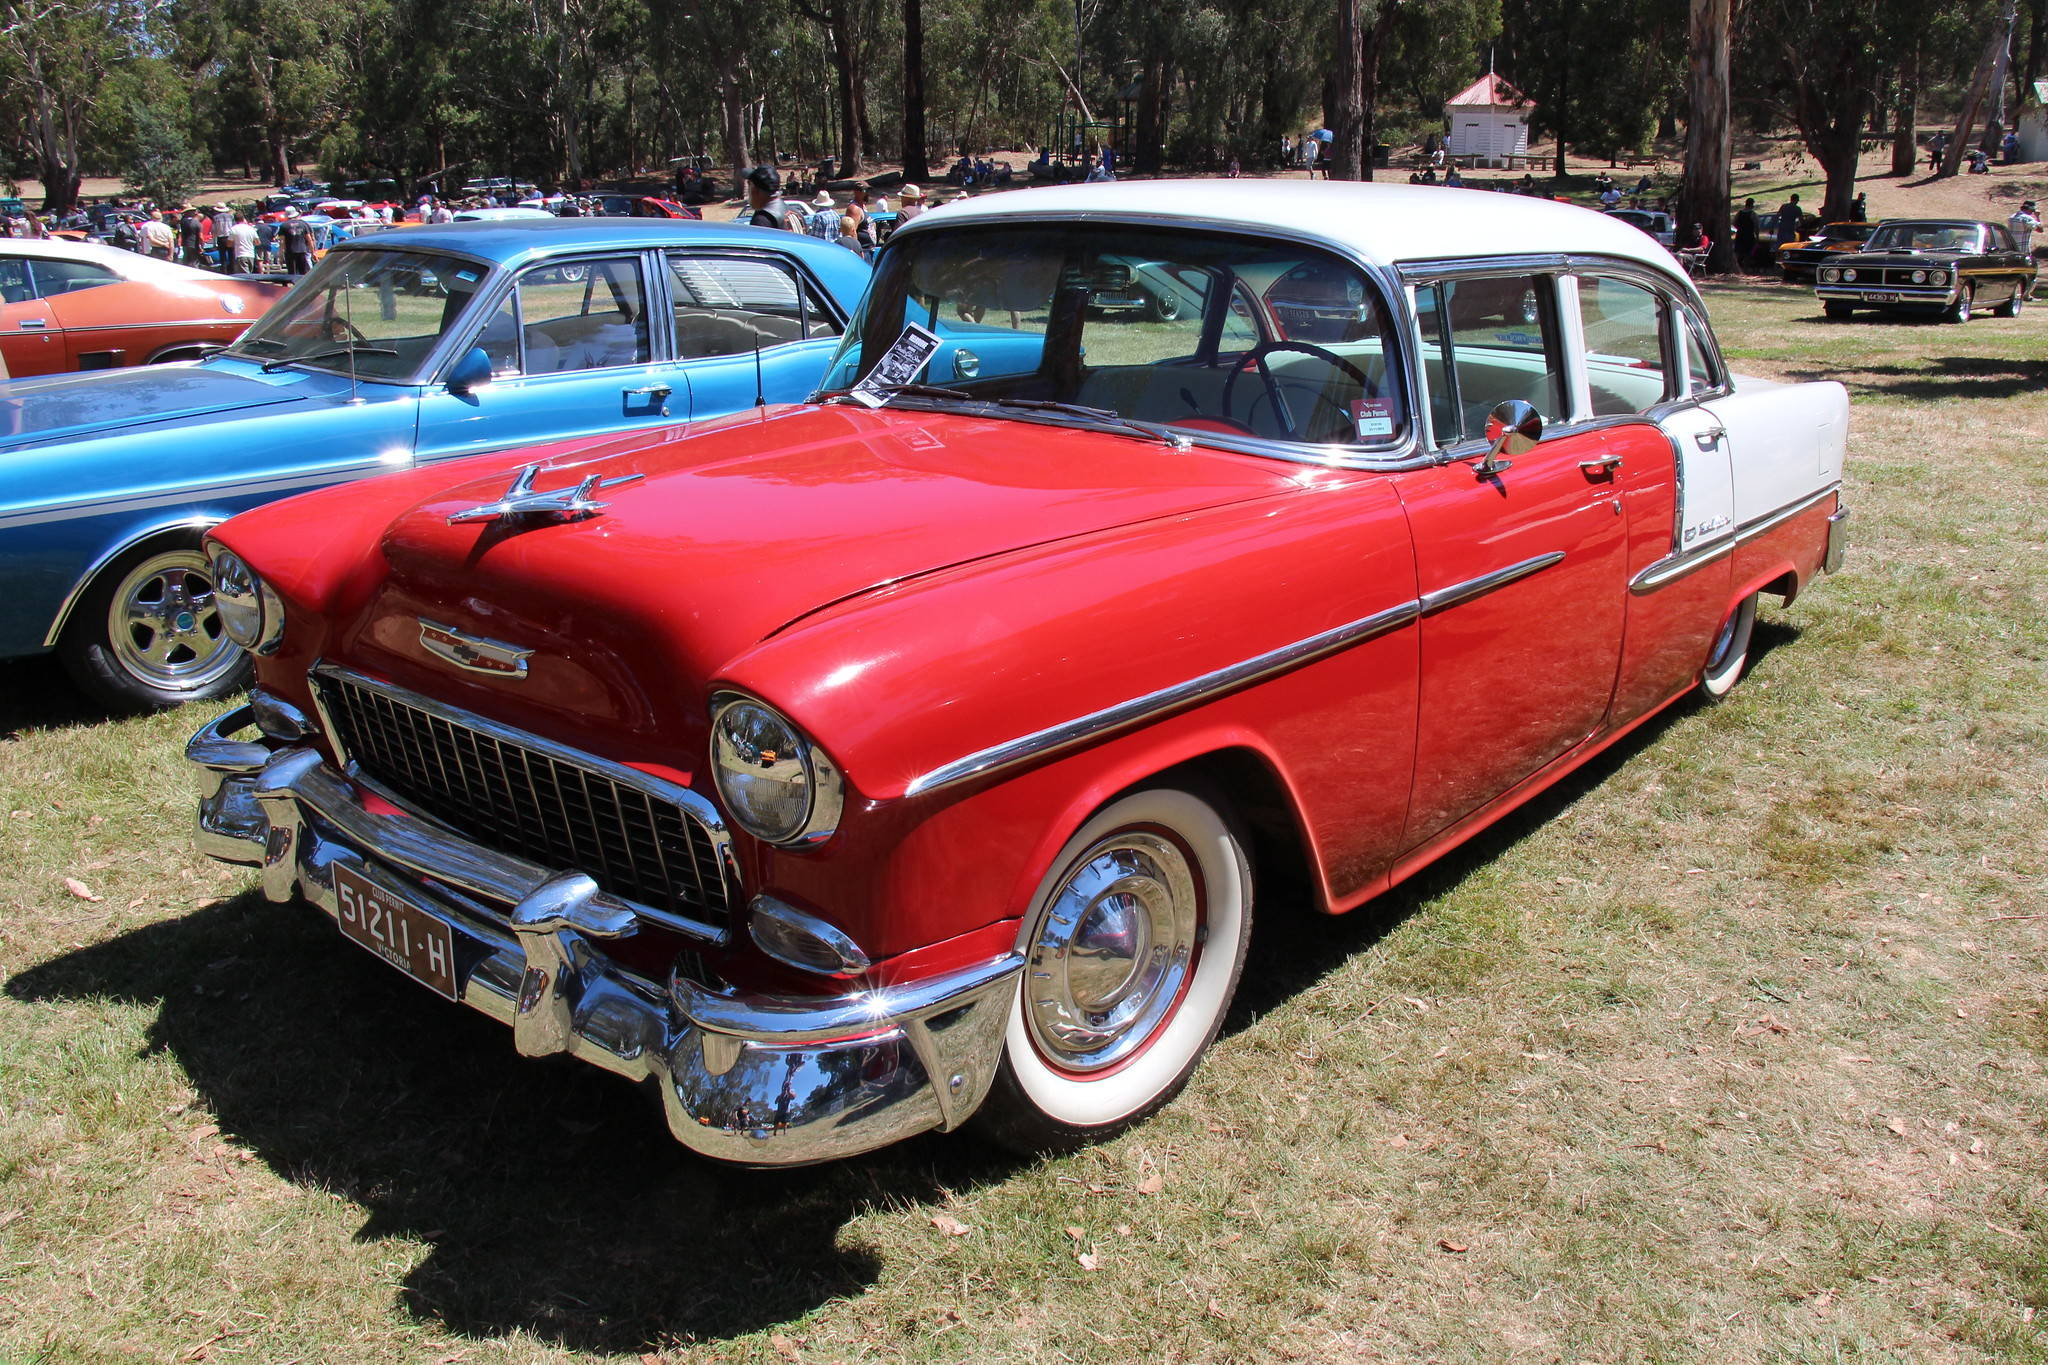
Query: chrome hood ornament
{"x": 522, "y": 499}
{"x": 473, "y": 652}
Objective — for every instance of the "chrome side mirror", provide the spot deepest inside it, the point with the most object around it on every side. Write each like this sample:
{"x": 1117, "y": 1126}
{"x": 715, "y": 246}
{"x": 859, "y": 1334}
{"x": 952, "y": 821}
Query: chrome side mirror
{"x": 1511, "y": 428}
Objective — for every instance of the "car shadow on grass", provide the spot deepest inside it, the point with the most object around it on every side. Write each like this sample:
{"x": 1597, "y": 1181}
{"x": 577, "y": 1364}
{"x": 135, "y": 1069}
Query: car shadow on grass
{"x": 551, "y": 1194}
{"x": 37, "y": 694}
{"x": 1941, "y": 377}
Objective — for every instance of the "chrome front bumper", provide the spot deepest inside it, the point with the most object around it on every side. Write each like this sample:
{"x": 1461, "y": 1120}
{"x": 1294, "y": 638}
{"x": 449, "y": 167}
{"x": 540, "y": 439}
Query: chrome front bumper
{"x": 754, "y": 1079}
{"x": 1904, "y": 296}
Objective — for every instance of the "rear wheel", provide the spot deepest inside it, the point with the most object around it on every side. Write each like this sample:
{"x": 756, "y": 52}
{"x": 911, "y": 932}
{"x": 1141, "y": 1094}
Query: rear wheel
{"x": 1965, "y": 304}
{"x": 1133, "y": 948}
{"x": 1730, "y": 653}
{"x": 148, "y": 634}
{"x": 2012, "y": 306}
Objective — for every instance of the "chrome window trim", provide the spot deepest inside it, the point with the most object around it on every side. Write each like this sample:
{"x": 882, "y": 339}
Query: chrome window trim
{"x": 1128, "y": 715}
{"x": 1675, "y": 566}
{"x": 694, "y": 806}
{"x": 1406, "y": 453}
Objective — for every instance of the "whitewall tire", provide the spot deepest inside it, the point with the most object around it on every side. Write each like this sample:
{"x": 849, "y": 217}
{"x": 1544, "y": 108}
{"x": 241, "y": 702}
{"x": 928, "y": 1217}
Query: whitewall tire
{"x": 1730, "y": 652}
{"x": 1133, "y": 946}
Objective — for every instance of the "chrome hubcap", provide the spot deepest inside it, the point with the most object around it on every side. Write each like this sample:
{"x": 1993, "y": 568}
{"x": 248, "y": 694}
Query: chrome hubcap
{"x": 163, "y": 624}
{"x": 1112, "y": 951}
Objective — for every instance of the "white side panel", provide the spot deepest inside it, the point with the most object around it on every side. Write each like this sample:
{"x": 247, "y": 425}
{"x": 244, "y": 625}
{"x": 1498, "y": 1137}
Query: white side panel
{"x": 1706, "y": 494}
{"x": 1786, "y": 441}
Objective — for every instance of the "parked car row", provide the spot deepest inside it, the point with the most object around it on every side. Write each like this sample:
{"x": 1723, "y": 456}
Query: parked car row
{"x": 920, "y": 753}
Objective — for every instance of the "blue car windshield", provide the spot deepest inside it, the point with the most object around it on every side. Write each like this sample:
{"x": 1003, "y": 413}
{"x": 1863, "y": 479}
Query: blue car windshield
{"x": 377, "y": 313}
{"x": 1224, "y": 339}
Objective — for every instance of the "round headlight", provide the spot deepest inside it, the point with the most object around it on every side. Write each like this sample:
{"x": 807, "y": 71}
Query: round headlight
{"x": 1938, "y": 277}
{"x": 776, "y": 784}
{"x": 251, "y": 613}
{"x": 1830, "y": 275}
{"x": 1848, "y": 274}
{"x": 1919, "y": 277}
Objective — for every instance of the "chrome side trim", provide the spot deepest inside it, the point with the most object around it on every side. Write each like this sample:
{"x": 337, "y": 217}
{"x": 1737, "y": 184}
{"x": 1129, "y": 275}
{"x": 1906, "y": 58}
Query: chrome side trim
{"x": 1443, "y": 599}
{"x": 93, "y": 569}
{"x": 1139, "y": 710}
{"x": 1128, "y": 715}
{"x": 695, "y": 807}
{"x": 1676, "y": 566}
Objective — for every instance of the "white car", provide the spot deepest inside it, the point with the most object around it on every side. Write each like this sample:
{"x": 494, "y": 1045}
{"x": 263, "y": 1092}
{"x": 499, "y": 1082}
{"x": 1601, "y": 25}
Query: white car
{"x": 499, "y": 215}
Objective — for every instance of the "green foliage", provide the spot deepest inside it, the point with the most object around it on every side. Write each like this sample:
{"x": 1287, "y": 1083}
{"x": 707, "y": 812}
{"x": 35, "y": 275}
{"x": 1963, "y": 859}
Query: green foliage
{"x": 161, "y": 164}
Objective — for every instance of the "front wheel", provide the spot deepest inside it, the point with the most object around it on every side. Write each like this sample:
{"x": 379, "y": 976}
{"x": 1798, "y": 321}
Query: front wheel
{"x": 1966, "y": 302}
{"x": 147, "y": 634}
{"x": 1133, "y": 948}
{"x": 1731, "y": 651}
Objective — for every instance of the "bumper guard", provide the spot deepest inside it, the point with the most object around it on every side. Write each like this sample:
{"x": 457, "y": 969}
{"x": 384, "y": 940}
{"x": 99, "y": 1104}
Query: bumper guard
{"x": 755, "y": 1079}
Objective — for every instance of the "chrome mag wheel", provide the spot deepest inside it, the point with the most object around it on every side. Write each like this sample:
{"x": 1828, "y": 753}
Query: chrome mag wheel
{"x": 163, "y": 626}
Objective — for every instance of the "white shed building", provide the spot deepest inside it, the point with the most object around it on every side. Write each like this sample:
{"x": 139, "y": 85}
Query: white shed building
{"x": 1489, "y": 122}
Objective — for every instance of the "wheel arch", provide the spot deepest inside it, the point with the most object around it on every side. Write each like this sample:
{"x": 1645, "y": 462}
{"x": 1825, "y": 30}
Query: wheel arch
{"x": 167, "y": 531}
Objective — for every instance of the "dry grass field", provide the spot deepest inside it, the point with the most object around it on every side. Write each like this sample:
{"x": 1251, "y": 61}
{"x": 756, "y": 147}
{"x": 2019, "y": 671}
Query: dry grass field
{"x": 1730, "y": 1050}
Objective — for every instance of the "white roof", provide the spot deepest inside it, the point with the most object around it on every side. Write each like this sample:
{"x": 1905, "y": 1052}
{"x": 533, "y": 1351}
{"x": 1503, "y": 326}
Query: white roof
{"x": 1384, "y": 224}
{"x": 129, "y": 265}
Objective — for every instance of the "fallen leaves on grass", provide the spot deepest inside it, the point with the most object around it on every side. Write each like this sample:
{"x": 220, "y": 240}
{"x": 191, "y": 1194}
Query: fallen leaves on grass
{"x": 1152, "y": 1184}
{"x": 1088, "y": 1260}
{"x": 950, "y": 1225}
{"x": 1455, "y": 1248}
{"x": 82, "y": 891}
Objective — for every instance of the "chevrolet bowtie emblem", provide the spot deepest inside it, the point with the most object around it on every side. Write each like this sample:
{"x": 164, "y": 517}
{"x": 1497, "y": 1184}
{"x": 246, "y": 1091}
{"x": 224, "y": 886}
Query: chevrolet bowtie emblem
{"x": 522, "y": 499}
{"x": 473, "y": 652}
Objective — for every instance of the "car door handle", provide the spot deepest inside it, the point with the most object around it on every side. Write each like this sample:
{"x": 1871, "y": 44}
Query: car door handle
{"x": 1708, "y": 439}
{"x": 33, "y": 324}
{"x": 654, "y": 391}
{"x": 1605, "y": 465}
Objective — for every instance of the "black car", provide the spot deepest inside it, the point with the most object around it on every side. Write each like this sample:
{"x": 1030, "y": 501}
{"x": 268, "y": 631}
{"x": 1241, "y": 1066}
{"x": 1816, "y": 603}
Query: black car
{"x": 1950, "y": 266}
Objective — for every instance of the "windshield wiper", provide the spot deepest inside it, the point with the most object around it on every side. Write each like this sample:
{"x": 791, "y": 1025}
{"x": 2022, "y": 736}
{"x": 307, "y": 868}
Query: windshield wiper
{"x": 351, "y": 350}
{"x": 1102, "y": 417}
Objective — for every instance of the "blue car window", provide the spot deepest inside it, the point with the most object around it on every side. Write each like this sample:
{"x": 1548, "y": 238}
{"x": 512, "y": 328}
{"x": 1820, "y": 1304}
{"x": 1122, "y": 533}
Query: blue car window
{"x": 731, "y": 305}
{"x": 583, "y": 315}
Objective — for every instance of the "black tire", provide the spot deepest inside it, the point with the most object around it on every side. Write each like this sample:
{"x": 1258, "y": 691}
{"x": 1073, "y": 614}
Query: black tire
{"x": 1156, "y": 891}
{"x": 1965, "y": 304}
{"x": 1838, "y": 311}
{"x": 1730, "y": 652}
{"x": 145, "y": 634}
{"x": 2012, "y": 307}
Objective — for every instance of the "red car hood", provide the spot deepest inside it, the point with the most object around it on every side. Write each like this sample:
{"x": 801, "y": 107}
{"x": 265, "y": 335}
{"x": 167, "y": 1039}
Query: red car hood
{"x": 733, "y": 531}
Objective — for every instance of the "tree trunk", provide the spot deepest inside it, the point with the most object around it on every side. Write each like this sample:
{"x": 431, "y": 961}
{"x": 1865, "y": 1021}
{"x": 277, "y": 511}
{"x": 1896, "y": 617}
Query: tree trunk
{"x": 1906, "y": 116}
{"x": 915, "y": 167}
{"x": 1376, "y": 40}
{"x": 732, "y": 105}
{"x": 1347, "y": 92}
{"x": 844, "y": 57}
{"x": 1703, "y": 194}
{"x": 1840, "y": 149}
{"x": 1973, "y": 100}
{"x": 1151, "y": 133}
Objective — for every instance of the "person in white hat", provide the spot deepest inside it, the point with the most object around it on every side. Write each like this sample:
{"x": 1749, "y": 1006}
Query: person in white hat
{"x": 823, "y": 219}
{"x": 913, "y": 204}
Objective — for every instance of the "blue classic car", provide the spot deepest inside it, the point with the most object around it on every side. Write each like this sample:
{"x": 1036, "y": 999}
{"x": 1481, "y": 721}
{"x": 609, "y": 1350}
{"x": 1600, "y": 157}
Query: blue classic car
{"x": 412, "y": 345}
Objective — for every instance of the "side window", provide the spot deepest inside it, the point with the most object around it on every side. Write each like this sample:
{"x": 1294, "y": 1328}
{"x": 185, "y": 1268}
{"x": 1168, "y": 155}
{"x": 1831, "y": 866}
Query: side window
{"x": 1486, "y": 340}
{"x": 500, "y": 338}
{"x": 65, "y": 277}
{"x": 1701, "y": 372}
{"x": 583, "y": 315}
{"x": 14, "y": 282}
{"x": 733, "y": 305}
{"x": 1626, "y": 363}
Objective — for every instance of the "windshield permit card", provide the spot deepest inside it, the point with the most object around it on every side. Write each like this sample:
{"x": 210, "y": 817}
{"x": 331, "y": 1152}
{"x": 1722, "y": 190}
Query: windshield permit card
{"x": 1372, "y": 418}
{"x": 900, "y": 364}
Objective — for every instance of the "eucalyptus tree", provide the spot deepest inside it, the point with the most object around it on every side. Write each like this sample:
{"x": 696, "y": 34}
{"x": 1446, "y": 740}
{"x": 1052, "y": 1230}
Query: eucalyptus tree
{"x": 55, "y": 57}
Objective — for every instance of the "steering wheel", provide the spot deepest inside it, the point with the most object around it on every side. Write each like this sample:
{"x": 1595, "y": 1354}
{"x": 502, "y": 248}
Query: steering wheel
{"x": 339, "y": 328}
{"x": 1257, "y": 359}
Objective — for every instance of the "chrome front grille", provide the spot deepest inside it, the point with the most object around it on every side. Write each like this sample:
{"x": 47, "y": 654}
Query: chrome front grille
{"x": 642, "y": 839}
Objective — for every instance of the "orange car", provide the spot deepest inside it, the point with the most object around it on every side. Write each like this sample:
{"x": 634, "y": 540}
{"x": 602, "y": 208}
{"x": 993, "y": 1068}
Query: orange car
{"x": 1799, "y": 259}
{"x": 82, "y": 306}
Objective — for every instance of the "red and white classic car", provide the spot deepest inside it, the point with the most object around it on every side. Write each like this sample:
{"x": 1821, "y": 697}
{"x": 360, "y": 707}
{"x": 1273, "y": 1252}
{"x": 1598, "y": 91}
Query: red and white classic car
{"x": 857, "y": 768}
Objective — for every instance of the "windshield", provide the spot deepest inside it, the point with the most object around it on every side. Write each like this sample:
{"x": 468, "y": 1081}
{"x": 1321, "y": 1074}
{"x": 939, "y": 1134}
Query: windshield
{"x": 1222, "y": 338}
{"x": 1925, "y": 237}
{"x": 383, "y": 310}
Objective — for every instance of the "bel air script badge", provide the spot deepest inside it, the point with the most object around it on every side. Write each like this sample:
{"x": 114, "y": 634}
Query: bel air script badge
{"x": 522, "y": 499}
{"x": 473, "y": 652}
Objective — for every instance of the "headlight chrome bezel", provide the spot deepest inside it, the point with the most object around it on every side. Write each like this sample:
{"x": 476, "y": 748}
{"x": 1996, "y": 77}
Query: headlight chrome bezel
{"x": 824, "y": 787}
{"x": 1830, "y": 275}
{"x": 251, "y": 612}
{"x": 1939, "y": 277}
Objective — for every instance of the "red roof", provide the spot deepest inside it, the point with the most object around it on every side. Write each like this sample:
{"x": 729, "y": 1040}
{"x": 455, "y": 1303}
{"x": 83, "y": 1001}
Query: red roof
{"x": 1490, "y": 90}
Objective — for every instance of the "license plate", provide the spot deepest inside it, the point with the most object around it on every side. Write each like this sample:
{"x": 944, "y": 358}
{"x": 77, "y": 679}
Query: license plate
{"x": 417, "y": 943}
{"x": 1881, "y": 296}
